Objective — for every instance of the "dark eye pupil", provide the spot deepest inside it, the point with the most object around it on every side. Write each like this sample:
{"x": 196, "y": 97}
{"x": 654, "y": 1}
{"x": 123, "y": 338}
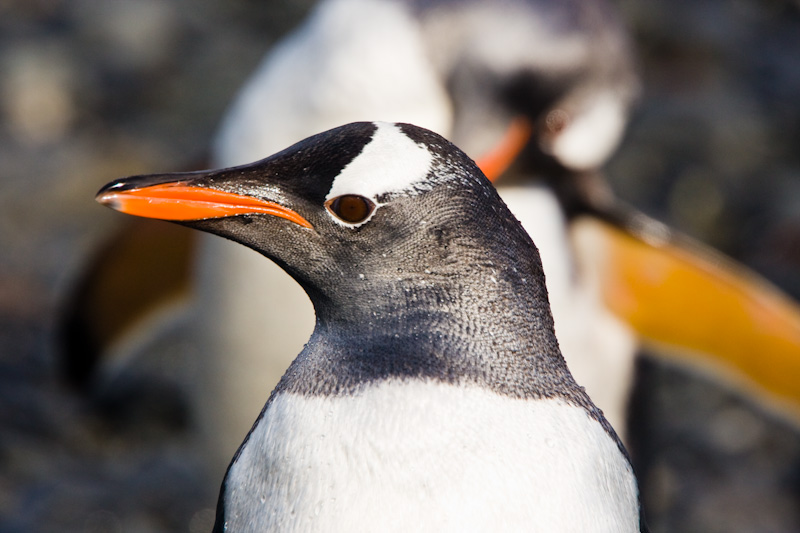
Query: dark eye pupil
{"x": 351, "y": 208}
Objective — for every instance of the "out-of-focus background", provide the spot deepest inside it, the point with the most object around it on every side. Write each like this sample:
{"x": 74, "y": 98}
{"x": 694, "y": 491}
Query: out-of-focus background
{"x": 91, "y": 90}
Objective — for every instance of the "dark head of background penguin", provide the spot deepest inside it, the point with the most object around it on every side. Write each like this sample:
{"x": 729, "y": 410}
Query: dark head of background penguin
{"x": 432, "y": 394}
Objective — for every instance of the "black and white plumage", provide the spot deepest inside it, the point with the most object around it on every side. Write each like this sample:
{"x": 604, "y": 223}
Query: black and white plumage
{"x": 432, "y": 394}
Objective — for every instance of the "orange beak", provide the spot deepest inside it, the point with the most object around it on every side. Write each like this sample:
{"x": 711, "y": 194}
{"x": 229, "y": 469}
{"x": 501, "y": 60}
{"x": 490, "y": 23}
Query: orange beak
{"x": 497, "y": 160}
{"x": 179, "y": 201}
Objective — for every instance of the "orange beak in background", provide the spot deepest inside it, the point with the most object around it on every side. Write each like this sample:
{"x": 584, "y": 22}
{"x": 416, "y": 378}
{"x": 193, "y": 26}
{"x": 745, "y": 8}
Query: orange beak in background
{"x": 495, "y": 162}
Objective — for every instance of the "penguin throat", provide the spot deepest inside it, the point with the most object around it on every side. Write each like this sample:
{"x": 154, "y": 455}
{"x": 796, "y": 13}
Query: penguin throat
{"x": 454, "y": 334}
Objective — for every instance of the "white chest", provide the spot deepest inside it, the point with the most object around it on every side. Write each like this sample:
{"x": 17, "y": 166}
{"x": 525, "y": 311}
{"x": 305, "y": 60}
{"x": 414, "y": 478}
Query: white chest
{"x": 429, "y": 457}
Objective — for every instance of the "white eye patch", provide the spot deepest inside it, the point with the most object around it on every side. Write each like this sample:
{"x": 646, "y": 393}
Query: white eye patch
{"x": 390, "y": 163}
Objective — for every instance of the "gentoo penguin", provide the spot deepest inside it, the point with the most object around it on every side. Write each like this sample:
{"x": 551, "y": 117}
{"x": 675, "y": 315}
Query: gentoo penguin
{"x": 469, "y": 70}
{"x": 545, "y": 84}
{"x": 432, "y": 395}
{"x": 550, "y": 82}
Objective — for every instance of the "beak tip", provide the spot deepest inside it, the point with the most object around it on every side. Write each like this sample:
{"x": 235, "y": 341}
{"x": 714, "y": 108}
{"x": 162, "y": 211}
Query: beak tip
{"x": 108, "y": 199}
{"x": 109, "y": 196}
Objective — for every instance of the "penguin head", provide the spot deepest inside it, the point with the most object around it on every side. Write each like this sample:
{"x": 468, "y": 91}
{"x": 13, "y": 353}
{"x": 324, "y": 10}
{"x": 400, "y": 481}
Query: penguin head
{"x": 351, "y": 212}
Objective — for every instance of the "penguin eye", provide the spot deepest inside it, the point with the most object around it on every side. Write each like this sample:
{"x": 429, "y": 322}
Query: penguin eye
{"x": 350, "y": 208}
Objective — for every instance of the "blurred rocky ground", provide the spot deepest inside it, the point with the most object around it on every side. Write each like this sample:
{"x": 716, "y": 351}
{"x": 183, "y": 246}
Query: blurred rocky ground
{"x": 91, "y": 90}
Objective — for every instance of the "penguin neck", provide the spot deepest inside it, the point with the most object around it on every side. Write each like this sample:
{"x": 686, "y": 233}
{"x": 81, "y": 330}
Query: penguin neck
{"x": 485, "y": 322}
{"x": 486, "y": 306}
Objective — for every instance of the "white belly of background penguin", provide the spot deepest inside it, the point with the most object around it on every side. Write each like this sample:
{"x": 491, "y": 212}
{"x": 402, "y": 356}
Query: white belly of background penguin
{"x": 432, "y": 394}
